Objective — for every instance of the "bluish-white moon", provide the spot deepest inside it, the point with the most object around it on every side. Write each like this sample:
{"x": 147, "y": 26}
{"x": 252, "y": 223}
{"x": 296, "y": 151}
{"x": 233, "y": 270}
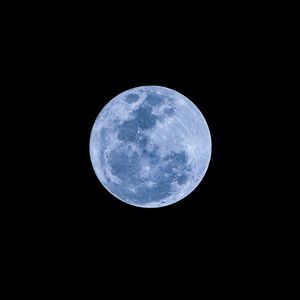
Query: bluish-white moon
{"x": 150, "y": 146}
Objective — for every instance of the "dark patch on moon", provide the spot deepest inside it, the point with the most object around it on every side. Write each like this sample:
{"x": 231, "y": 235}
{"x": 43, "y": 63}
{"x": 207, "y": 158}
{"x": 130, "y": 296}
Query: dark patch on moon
{"x": 176, "y": 159}
{"x": 144, "y": 117}
{"x": 127, "y": 131}
{"x": 154, "y": 99}
{"x": 131, "y": 98}
{"x": 151, "y": 155}
{"x": 126, "y": 168}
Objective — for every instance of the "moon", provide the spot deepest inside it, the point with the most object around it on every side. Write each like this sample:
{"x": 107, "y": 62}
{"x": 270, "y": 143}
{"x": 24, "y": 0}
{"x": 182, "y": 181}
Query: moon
{"x": 150, "y": 146}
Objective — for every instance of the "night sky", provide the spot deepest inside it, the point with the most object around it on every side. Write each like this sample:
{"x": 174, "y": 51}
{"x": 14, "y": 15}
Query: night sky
{"x": 68, "y": 226}
{"x": 210, "y": 83}
{"x": 87, "y": 73}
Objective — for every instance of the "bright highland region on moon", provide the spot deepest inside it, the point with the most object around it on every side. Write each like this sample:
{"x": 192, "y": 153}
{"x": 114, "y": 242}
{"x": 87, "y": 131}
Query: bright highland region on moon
{"x": 150, "y": 146}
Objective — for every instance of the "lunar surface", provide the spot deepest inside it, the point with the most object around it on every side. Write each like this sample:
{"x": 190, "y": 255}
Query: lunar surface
{"x": 150, "y": 146}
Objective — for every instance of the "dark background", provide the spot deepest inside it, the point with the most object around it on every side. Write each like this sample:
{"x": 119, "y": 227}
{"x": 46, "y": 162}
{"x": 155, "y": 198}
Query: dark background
{"x": 81, "y": 69}
{"x": 69, "y": 223}
{"x": 213, "y": 79}
{"x": 70, "y": 64}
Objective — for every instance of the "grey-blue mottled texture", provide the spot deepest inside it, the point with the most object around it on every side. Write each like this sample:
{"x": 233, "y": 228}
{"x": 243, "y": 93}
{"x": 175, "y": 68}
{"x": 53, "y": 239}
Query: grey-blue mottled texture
{"x": 150, "y": 147}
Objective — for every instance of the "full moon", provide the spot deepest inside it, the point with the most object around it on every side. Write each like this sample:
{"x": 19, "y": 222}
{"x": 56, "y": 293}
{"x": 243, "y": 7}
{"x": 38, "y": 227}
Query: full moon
{"x": 150, "y": 146}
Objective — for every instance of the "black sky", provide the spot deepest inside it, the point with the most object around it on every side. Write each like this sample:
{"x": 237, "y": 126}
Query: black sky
{"x": 214, "y": 68}
{"x": 70, "y": 64}
{"x": 209, "y": 78}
